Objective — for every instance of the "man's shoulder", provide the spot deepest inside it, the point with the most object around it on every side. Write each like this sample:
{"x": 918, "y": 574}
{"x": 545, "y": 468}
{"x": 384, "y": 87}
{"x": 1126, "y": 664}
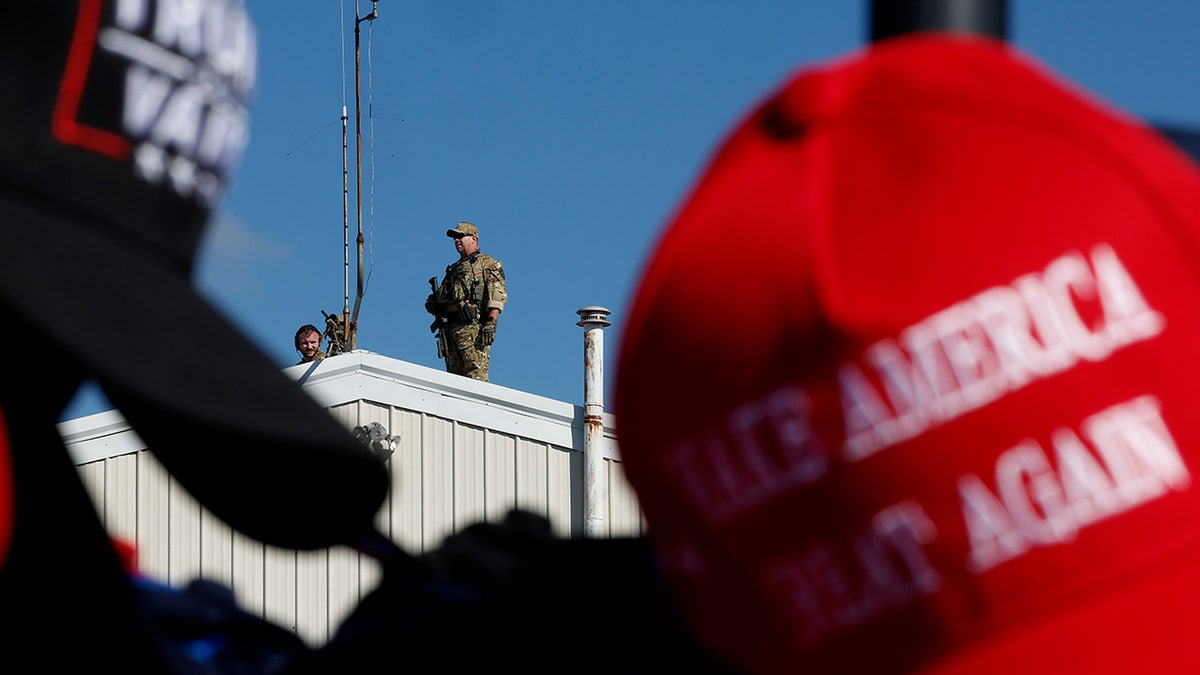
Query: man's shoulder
{"x": 317, "y": 357}
{"x": 488, "y": 260}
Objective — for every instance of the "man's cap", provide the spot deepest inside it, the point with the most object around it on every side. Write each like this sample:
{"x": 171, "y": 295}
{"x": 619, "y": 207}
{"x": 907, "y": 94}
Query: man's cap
{"x": 302, "y": 331}
{"x": 945, "y": 422}
{"x": 131, "y": 118}
{"x": 463, "y": 229}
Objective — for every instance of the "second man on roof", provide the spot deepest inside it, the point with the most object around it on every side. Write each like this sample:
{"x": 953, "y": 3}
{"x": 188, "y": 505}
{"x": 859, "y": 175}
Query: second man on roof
{"x": 467, "y": 305}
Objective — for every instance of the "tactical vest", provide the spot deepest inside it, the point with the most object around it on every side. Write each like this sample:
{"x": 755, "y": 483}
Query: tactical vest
{"x": 475, "y": 279}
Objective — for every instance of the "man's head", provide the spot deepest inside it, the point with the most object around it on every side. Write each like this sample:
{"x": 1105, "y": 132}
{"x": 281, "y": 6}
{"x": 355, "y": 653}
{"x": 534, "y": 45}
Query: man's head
{"x": 466, "y": 238}
{"x": 308, "y": 341}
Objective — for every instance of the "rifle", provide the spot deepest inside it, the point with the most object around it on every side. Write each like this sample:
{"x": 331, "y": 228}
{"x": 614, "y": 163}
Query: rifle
{"x": 335, "y": 333}
{"x": 439, "y": 322}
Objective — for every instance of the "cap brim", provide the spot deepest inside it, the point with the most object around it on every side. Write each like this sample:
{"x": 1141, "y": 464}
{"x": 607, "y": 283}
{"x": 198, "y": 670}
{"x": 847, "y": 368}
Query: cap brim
{"x": 244, "y": 439}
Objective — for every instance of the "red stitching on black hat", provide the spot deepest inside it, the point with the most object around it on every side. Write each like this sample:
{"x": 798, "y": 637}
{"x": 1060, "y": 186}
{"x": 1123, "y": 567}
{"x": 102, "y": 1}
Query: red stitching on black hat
{"x": 66, "y": 128}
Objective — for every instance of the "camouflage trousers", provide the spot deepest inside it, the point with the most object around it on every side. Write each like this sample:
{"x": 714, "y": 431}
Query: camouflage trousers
{"x": 463, "y": 356}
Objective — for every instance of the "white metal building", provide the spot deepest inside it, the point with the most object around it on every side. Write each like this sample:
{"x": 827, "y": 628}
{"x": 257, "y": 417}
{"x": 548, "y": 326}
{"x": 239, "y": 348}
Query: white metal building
{"x": 464, "y": 452}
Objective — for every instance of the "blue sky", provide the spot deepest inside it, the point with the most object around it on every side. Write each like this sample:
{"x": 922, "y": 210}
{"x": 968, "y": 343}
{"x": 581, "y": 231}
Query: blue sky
{"x": 567, "y": 131}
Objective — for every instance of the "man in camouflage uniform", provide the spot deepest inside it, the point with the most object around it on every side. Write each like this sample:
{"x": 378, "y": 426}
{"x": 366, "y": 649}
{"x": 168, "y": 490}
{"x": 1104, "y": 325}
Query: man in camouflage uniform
{"x": 467, "y": 305}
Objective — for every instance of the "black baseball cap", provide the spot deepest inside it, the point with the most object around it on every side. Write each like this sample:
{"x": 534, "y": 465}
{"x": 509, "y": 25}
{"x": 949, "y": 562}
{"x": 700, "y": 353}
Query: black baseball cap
{"x": 122, "y": 125}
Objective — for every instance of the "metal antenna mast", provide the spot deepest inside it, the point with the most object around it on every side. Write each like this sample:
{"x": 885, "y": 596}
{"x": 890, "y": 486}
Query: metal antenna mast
{"x": 351, "y": 321}
{"x": 345, "y": 319}
{"x": 889, "y": 18}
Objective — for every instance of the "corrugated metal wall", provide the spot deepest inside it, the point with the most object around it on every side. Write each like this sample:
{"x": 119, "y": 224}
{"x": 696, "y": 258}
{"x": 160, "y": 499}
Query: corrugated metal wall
{"x": 446, "y": 474}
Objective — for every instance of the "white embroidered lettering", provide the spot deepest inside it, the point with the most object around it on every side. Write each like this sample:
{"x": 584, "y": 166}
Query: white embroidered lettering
{"x": 190, "y": 73}
{"x": 766, "y": 447}
{"x": 833, "y": 586}
{"x": 972, "y": 353}
{"x": 1036, "y": 504}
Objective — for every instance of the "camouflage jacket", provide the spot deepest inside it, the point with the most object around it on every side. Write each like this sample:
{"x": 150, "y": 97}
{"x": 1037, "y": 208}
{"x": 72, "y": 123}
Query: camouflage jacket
{"x": 316, "y": 357}
{"x": 477, "y": 279}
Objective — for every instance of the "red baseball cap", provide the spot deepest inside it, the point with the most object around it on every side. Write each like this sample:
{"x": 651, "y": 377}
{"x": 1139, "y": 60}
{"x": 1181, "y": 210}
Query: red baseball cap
{"x": 909, "y": 384}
